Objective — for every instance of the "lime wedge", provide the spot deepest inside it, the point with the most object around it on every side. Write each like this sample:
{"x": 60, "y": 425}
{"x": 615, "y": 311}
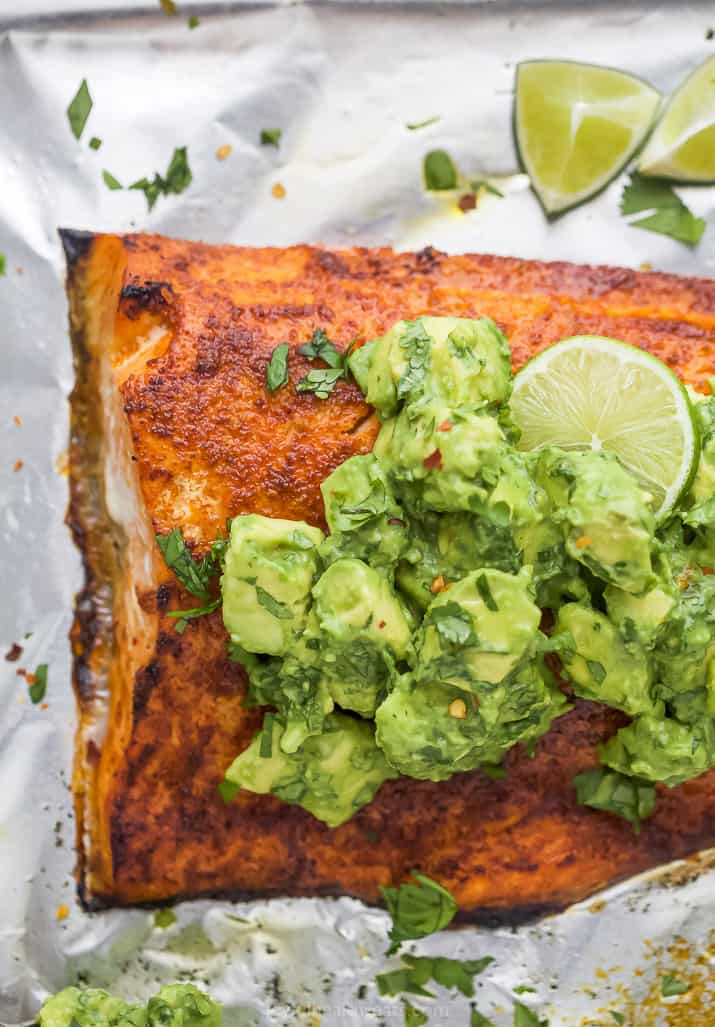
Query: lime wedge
{"x": 577, "y": 125}
{"x": 594, "y": 393}
{"x": 683, "y": 144}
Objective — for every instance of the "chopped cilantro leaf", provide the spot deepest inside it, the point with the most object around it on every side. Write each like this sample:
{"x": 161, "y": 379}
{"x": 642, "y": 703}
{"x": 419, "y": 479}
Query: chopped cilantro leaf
{"x": 453, "y": 624}
{"x": 168, "y": 6}
{"x": 413, "y": 1017}
{"x": 415, "y": 125}
{"x": 95, "y": 143}
{"x": 486, "y": 593}
{"x": 228, "y": 790}
{"x": 193, "y": 576}
{"x": 271, "y": 136}
{"x": 669, "y": 216}
{"x": 618, "y": 1017}
{"x": 596, "y": 670}
{"x": 418, "y": 347}
{"x": 418, "y": 909}
{"x": 266, "y": 746}
{"x": 110, "y": 181}
{"x": 525, "y": 1017}
{"x": 478, "y": 1019}
{"x": 79, "y": 109}
{"x": 416, "y": 971}
{"x": 320, "y": 382}
{"x": 196, "y": 611}
{"x": 194, "y": 22}
{"x": 274, "y": 607}
{"x": 3, "y": 265}
{"x": 627, "y": 797}
{"x": 277, "y": 370}
{"x": 164, "y": 918}
{"x": 39, "y": 685}
{"x": 439, "y": 171}
{"x": 670, "y": 986}
{"x": 178, "y": 178}
{"x": 321, "y": 348}
{"x": 522, "y": 989}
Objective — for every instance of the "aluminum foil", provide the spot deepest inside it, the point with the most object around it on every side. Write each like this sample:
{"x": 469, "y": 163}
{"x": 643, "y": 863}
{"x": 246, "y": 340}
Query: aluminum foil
{"x": 342, "y": 81}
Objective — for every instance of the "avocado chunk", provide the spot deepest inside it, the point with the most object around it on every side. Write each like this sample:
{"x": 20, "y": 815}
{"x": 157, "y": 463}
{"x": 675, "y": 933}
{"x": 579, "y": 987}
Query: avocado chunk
{"x": 269, "y": 571}
{"x": 177, "y": 1005}
{"x": 441, "y": 458}
{"x": 432, "y": 731}
{"x": 295, "y": 685}
{"x": 684, "y": 653}
{"x": 363, "y": 515}
{"x": 332, "y": 775}
{"x": 479, "y": 630}
{"x": 462, "y": 360}
{"x": 600, "y": 664}
{"x": 445, "y": 548}
{"x": 658, "y": 748}
{"x": 362, "y": 633}
{"x": 642, "y": 616}
{"x": 92, "y": 1007}
{"x": 603, "y": 512}
{"x": 183, "y": 1005}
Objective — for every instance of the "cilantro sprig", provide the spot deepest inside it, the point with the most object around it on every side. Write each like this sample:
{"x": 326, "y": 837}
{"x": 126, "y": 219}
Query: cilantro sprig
{"x": 668, "y": 214}
{"x": 178, "y": 177}
{"x": 195, "y": 577}
{"x": 322, "y": 381}
{"x": 417, "y": 971}
{"x": 627, "y": 797}
{"x": 418, "y": 909}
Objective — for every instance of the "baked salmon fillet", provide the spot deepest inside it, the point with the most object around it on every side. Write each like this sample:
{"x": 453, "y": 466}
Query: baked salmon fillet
{"x": 172, "y": 426}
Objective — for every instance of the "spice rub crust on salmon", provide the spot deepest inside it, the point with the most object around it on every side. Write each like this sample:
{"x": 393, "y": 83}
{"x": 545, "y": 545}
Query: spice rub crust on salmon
{"x": 172, "y": 426}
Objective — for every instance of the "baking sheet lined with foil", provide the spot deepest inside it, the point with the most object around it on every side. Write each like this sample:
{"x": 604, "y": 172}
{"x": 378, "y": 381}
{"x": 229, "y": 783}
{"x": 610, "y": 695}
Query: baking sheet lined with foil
{"x": 342, "y": 81}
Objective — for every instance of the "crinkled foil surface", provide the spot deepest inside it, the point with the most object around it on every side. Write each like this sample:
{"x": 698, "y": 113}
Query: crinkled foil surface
{"x": 342, "y": 81}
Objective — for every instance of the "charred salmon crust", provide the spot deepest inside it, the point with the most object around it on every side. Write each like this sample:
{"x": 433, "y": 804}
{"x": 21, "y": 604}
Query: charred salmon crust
{"x": 172, "y": 427}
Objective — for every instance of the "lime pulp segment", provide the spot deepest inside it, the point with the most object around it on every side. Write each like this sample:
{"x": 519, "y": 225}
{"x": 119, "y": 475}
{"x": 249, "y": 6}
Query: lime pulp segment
{"x": 590, "y": 392}
{"x": 577, "y": 126}
{"x": 683, "y": 143}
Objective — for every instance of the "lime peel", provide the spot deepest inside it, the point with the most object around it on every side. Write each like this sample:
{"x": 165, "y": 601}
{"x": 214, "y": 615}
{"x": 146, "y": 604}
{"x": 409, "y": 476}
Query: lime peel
{"x": 590, "y": 392}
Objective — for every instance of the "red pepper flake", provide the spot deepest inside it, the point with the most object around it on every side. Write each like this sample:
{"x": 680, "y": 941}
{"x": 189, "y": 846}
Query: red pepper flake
{"x": 445, "y": 426}
{"x": 44, "y": 706}
{"x": 17, "y": 420}
{"x": 382, "y": 624}
{"x": 708, "y": 570}
{"x": 395, "y": 520}
{"x": 14, "y": 653}
{"x": 18, "y": 466}
{"x": 21, "y": 672}
{"x": 433, "y": 461}
{"x": 467, "y": 202}
{"x": 30, "y": 678}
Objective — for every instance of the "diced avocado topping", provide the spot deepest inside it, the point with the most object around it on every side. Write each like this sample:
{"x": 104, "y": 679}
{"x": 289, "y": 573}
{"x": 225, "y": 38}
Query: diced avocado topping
{"x": 600, "y": 664}
{"x": 421, "y": 613}
{"x": 332, "y": 775}
{"x": 363, "y": 634}
{"x": 268, "y": 574}
{"x": 177, "y": 1005}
